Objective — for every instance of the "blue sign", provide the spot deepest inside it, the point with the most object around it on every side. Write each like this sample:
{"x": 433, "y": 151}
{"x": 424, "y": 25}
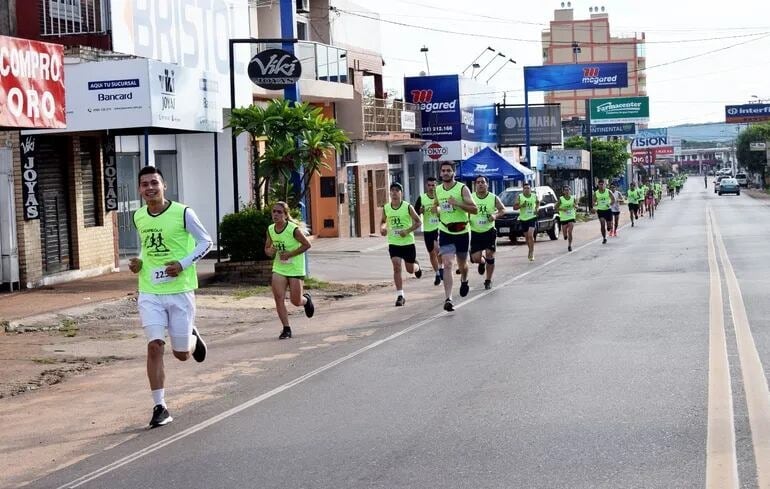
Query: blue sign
{"x": 575, "y": 76}
{"x": 479, "y": 124}
{"x": 621, "y": 129}
{"x": 747, "y": 113}
{"x": 439, "y": 100}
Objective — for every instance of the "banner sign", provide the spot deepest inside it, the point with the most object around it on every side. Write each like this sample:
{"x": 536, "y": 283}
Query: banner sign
{"x": 32, "y": 80}
{"x": 408, "y": 121}
{"x": 620, "y": 109}
{"x": 575, "y": 76}
{"x": 438, "y": 98}
{"x": 110, "y": 176}
{"x": 747, "y": 113}
{"x": 760, "y": 146}
{"x": 274, "y": 69}
{"x": 544, "y": 125}
{"x": 617, "y": 129}
{"x": 657, "y": 139}
{"x": 567, "y": 159}
{"x": 29, "y": 192}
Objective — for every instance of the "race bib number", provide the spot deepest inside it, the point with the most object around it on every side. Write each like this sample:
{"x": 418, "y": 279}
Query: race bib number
{"x": 396, "y": 232}
{"x": 447, "y": 207}
{"x": 160, "y": 276}
{"x": 285, "y": 262}
{"x": 482, "y": 221}
{"x": 433, "y": 220}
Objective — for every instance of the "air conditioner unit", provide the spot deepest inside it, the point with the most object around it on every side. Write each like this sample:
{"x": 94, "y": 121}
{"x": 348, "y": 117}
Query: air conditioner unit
{"x": 303, "y": 6}
{"x": 349, "y": 154}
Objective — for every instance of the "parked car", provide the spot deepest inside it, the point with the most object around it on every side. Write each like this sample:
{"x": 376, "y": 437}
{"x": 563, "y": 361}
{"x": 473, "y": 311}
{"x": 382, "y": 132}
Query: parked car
{"x": 729, "y": 186}
{"x": 547, "y": 217}
{"x": 743, "y": 179}
{"x": 717, "y": 180}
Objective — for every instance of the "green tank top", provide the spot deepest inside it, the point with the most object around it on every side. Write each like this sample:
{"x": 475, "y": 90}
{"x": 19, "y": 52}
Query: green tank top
{"x": 448, "y": 214}
{"x": 286, "y": 242}
{"x": 603, "y": 200}
{"x": 527, "y": 207}
{"x": 569, "y": 205}
{"x": 482, "y": 221}
{"x": 164, "y": 239}
{"x": 633, "y": 196}
{"x": 430, "y": 218}
{"x": 398, "y": 220}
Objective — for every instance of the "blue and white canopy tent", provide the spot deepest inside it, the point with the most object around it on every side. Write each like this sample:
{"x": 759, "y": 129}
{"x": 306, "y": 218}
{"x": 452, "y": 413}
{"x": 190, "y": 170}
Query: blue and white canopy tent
{"x": 494, "y": 166}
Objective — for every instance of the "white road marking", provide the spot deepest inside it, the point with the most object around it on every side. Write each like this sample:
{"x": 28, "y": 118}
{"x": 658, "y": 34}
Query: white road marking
{"x": 754, "y": 381}
{"x": 721, "y": 459}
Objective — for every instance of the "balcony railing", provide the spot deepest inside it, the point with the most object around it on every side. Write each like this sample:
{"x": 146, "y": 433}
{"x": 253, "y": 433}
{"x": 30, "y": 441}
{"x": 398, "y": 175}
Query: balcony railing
{"x": 70, "y": 17}
{"x": 319, "y": 61}
{"x": 385, "y": 116}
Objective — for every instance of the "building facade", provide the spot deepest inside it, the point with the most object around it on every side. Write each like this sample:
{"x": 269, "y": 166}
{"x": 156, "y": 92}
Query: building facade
{"x": 571, "y": 40}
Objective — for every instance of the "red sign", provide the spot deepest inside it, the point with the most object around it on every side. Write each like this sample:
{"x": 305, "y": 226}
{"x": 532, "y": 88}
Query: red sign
{"x": 32, "y": 90}
{"x": 436, "y": 151}
{"x": 650, "y": 154}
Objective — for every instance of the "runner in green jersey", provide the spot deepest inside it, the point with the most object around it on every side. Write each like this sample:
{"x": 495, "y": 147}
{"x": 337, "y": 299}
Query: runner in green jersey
{"x": 528, "y": 207}
{"x": 399, "y": 220}
{"x": 424, "y": 205}
{"x": 483, "y": 232}
{"x": 287, "y": 244}
{"x": 172, "y": 241}
{"x": 454, "y": 204}
{"x": 603, "y": 200}
{"x": 634, "y": 196}
{"x": 567, "y": 214}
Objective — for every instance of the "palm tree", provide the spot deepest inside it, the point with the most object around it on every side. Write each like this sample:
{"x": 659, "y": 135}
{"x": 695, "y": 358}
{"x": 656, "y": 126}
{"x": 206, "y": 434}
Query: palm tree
{"x": 297, "y": 138}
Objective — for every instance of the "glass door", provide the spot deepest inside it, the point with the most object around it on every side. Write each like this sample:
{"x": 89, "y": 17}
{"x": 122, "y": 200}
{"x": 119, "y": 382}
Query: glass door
{"x": 128, "y": 202}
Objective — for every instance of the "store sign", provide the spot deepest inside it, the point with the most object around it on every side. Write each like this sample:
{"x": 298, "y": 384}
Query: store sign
{"x": 747, "y": 113}
{"x": 444, "y": 151}
{"x": 438, "y": 98}
{"x": 760, "y": 146}
{"x": 190, "y": 33}
{"x": 567, "y": 159}
{"x": 618, "y": 129}
{"x": 408, "y": 121}
{"x": 29, "y": 192}
{"x": 274, "y": 69}
{"x": 110, "y": 176}
{"x": 544, "y": 125}
{"x": 575, "y": 76}
{"x": 619, "y": 109}
{"x": 32, "y": 80}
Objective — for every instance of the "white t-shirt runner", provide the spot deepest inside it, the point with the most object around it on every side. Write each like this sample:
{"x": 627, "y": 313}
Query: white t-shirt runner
{"x": 615, "y": 207}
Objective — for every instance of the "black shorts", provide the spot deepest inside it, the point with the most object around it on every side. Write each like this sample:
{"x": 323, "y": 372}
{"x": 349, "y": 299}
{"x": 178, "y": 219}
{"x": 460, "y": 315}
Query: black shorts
{"x": 453, "y": 244}
{"x": 525, "y": 225}
{"x": 408, "y": 253}
{"x": 604, "y": 214}
{"x": 615, "y": 213}
{"x": 633, "y": 207}
{"x": 567, "y": 221}
{"x": 430, "y": 238}
{"x": 484, "y": 241}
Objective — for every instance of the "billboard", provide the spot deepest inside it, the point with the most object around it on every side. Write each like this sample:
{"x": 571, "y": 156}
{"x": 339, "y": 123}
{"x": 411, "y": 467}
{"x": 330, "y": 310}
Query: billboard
{"x": 32, "y": 84}
{"x": 655, "y": 138}
{"x": 620, "y": 109}
{"x": 191, "y": 34}
{"x": 544, "y": 125}
{"x": 567, "y": 159}
{"x": 617, "y": 129}
{"x": 575, "y": 76}
{"x": 747, "y": 113}
{"x": 438, "y": 98}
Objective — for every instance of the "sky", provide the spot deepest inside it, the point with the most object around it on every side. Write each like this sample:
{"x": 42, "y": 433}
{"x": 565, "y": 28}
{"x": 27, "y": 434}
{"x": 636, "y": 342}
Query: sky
{"x": 728, "y": 46}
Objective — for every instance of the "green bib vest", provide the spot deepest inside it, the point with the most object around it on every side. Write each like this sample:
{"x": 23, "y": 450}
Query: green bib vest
{"x": 398, "y": 220}
{"x": 448, "y": 214}
{"x": 164, "y": 239}
{"x": 429, "y": 218}
{"x": 633, "y": 196}
{"x": 603, "y": 200}
{"x": 527, "y": 207}
{"x": 286, "y": 242}
{"x": 567, "y": 209}
{"x": 482, "y": 222}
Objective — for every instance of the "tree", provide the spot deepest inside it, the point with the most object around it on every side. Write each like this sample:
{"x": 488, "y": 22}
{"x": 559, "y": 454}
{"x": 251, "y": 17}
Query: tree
{"x": 297, "y": 138}
{"x": 755, "y": 161}
{"x": 608, "y": 158}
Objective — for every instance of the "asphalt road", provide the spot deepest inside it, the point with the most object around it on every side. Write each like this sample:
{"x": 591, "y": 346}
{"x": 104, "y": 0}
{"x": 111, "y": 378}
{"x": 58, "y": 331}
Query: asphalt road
{"x": 582, "y": 370}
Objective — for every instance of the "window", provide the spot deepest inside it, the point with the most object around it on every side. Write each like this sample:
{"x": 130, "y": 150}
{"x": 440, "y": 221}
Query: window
{"x": 302, "y": 31}
{"x": 328, "y": 187}
{"x": 64, "y": 10}
{"x": 381, "y": 187}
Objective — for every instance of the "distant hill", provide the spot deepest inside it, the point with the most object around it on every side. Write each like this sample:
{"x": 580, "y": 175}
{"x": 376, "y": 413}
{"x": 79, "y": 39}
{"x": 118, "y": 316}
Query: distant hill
{"x": 693, "y": 135}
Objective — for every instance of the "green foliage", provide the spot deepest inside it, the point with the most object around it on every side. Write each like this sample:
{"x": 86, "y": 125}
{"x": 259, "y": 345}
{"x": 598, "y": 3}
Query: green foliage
{"x": 297, "y": 138}
{"x": 753, "y": 160}
{"x": 243, "y": 233}
{"x": 608, "y": 158}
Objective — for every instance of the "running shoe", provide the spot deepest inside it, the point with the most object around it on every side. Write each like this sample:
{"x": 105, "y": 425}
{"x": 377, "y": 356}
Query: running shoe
{"x": 400, "y": 300}
{"x": 464, "y": 288}
{"x": 482, "y": 268}
{"x": 286, "y": 333}
{"x": 437, "y": 280}
{"x": 199, "y": 353}
{"x": 487, "y": 284}
{"x": 160, "y": 416}
{"x": 309, "y": 307}
{"x": 418, "y": 273}
{"x": 448, "y": 306}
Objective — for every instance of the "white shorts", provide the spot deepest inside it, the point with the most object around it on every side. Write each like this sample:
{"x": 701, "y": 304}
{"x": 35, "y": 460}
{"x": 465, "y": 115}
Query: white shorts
{"x": 172, "y": 312}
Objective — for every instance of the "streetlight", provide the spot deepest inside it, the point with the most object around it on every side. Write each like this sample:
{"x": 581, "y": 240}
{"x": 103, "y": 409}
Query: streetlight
{"x": 424, "y": 49}
{"x": 510, "y": 60}
{"x": 475, "y": 63}
{"x": 490, "y": 62}
{"x": 475, "y": 67}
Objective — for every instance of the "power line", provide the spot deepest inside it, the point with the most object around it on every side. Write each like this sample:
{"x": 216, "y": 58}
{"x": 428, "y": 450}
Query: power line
{"x": 566, "y": 43}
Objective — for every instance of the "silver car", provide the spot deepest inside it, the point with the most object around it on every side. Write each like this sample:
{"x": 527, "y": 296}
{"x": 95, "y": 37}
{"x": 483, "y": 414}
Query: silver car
{"x": 729, "y": 186}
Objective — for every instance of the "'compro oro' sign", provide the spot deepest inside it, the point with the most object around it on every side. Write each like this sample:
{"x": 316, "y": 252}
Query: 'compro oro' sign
{"x": 32, "y": 75}
{"x": 274, "y": 69}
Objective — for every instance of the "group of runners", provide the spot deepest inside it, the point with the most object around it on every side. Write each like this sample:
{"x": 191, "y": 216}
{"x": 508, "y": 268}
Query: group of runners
{"x": 458, "y": 224}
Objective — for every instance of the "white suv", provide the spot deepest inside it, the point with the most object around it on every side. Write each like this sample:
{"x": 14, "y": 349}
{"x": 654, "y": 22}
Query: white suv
{"x": 743, "y": 180}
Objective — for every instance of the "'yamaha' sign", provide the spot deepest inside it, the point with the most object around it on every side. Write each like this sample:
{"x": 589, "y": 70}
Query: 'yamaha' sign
{"x": 274, "y": 69}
